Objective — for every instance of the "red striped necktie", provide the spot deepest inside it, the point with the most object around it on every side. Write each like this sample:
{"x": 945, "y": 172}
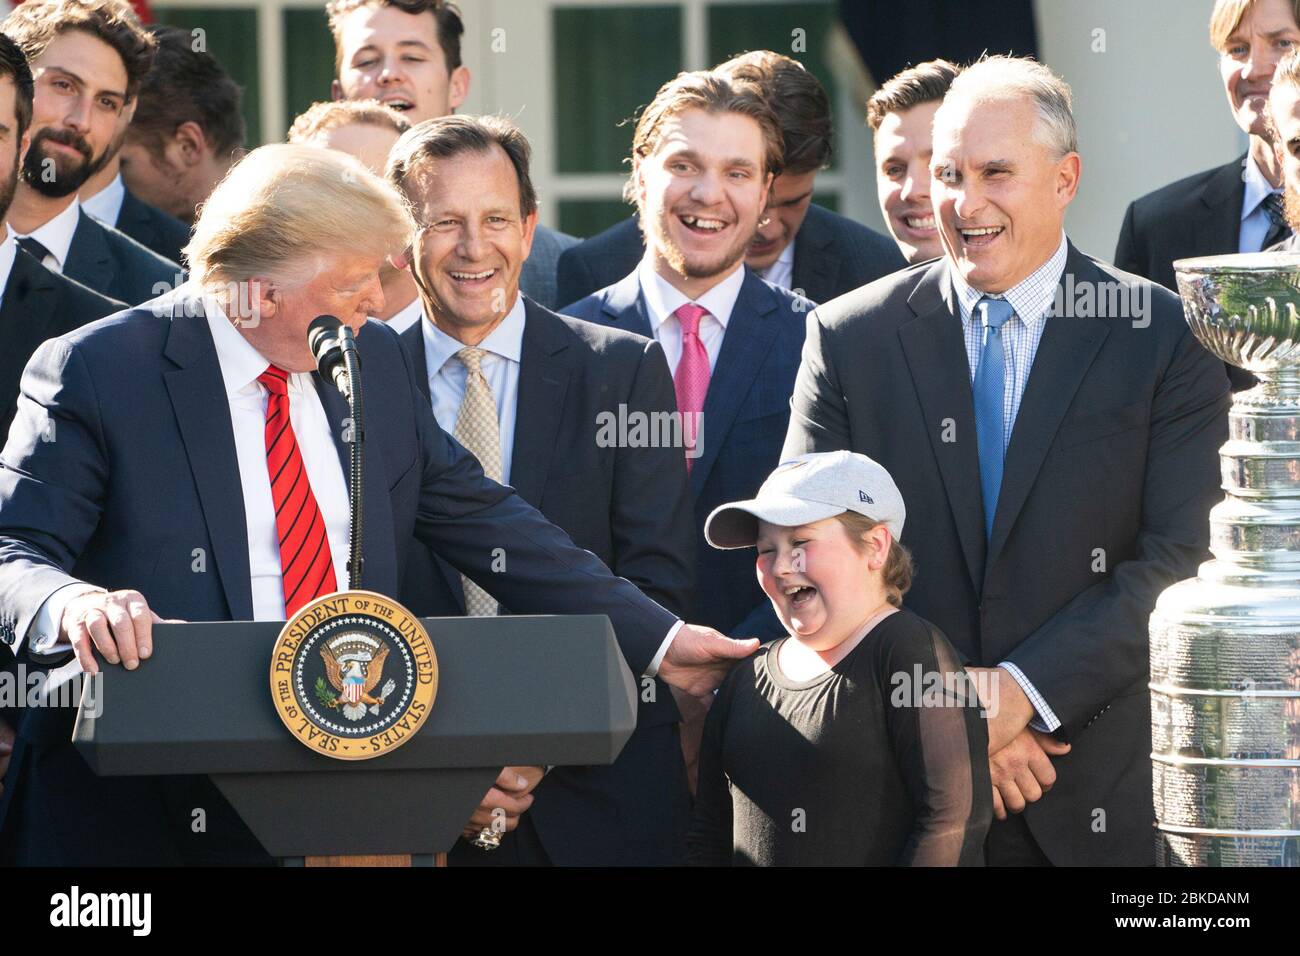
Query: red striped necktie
{"x": 305, "y": 560}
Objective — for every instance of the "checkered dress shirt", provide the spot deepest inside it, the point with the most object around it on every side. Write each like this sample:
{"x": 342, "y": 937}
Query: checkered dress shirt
{"x": 1032, "y": 299}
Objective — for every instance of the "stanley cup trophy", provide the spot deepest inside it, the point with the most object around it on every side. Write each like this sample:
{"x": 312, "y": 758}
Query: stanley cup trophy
{"x": 1225, "y": 647}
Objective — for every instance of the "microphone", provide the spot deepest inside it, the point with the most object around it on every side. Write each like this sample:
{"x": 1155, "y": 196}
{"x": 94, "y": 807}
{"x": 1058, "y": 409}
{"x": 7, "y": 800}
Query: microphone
{"x": 325, "y": 339}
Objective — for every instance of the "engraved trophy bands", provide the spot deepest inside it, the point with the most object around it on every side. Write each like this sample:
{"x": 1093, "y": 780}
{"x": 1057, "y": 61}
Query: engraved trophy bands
{"x": 1225, "y": 647}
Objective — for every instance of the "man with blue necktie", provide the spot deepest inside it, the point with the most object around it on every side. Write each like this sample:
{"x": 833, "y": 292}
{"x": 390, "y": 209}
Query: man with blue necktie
{"x": 1053, "y": 426}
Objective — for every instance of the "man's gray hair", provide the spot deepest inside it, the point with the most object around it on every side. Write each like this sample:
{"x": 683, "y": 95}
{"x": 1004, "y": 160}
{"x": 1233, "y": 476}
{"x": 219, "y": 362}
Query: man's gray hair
{"x": 1008, "y": 77}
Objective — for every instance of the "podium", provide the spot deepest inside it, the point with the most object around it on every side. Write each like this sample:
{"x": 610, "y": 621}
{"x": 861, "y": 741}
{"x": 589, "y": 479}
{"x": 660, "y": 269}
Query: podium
{"x": 512, "y": 691}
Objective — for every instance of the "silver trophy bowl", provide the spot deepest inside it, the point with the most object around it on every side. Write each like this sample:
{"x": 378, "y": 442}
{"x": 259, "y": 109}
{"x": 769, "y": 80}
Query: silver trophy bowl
{"x": 1225, "y": 646}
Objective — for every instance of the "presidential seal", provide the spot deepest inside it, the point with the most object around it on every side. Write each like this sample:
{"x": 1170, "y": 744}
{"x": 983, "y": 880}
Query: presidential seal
{"x": 353, "y": 675}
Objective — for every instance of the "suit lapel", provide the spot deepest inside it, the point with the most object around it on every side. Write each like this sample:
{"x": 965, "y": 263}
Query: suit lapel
{"x": 1221, "y": 197}
{"x": 539, "y": 406}
{"x": 750, "y": 333}
{"x": 936, "y": 358}
{"x": 816, "y": 259}
{"x": 198, "y": 397}
{"x": 378, "y": 574}
{"x": 413, "y": 340}
{"x": 90, "y": 261}
{"x": 624, "y": 307}
{"x": 1065, "y": 352}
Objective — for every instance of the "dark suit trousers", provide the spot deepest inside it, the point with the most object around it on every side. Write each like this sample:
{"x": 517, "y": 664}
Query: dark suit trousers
{"x": 1010, "y": 843}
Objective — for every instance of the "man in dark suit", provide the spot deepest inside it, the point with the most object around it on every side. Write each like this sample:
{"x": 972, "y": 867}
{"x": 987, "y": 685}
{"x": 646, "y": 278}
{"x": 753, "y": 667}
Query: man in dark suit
{"x": 163, "y": 447}
{"x": 1058, "y": 464}
{"x": 553, "y": 391}
{"x": 407, "y": 55}
{"x": 798, "y": 245}
{"x": 35, "y": 303}
{"x": 703, "y": 155}
{"x": 1235, "y": 207}
{"x": 90, "y": 59}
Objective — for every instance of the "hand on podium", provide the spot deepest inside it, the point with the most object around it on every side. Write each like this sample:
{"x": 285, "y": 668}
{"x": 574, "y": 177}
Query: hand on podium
{"x": 699, "y": 658}
{"x": 119, "y": 624}
{"x": 507, "y": 801}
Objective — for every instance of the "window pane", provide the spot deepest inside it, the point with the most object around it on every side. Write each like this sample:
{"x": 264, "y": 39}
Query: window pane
{"x": 798, "y": 30}
{"x": 228, "y": 36}
{"x": 308, "y": 60}
{"x": 586, "y": 217}
{"x": 608, "y": 62}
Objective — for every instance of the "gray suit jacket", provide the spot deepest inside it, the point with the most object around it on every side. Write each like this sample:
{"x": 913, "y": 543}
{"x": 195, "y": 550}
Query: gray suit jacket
{"x": 538, "y": 278}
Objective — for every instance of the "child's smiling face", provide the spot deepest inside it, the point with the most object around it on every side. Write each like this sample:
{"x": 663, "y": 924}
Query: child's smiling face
{"x": 821, "y": 585}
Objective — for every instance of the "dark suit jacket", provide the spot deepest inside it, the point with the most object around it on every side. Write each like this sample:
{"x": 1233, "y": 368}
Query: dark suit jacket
{"x": 631, "y": 508}
{"x": 38, "y": 304}
{"x": 742, "y": 427}
{"x": 152, "y": 228}
{"x": 537, "y": 279}
{"x": 1196, "y": 216}
{"x": 117, "y": 266}
{"x": 832, "y": 255}
{"x": 1110, "y": 474}
{"x": 144, "y": 471}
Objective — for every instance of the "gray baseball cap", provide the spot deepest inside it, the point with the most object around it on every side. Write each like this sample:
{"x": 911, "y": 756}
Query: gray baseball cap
{"x": 807, "y": 489}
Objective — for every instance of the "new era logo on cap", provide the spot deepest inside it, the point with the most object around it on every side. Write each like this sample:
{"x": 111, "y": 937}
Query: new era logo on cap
{"x": 863, "y": 496}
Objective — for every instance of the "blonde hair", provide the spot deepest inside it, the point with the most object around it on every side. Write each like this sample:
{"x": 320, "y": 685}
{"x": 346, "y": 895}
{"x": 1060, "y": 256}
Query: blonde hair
{"x": 897, "y": 573}
{"x": 1226, "y": 17}
{"x": 335, "y": 114}
{"x": 283, "y": 206}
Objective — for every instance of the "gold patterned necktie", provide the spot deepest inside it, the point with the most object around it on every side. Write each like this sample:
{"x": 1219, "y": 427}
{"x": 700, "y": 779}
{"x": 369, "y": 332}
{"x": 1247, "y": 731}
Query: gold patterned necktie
{"x": 478, "y": 430}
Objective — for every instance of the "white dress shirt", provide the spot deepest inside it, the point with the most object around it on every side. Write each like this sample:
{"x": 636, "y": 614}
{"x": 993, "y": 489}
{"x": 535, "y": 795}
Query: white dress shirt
{"x": 241, "y": 364}
{"x": 8, "y": 250}
{"x": 781, "y": 272}
{"x": 106, "y": 205}
{"x": 505, "y": 346}
{"x": 447, "y": 376}
{"x": 56, "y": 236}
{"x": 1255, "y": 223}
{"x": 662, "y": 300}
{"x": 1032, "y": 299}
{"x": 408, "y": 316}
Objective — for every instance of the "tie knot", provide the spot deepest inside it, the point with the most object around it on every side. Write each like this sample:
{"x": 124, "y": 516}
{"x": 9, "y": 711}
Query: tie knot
{"x": 689, "y": 316}
{"x": 1273, "y": 206}
{"x": 33, "y": 247}
{"x": 472, "y": 359}
{"x": 276, "y": 380}
{"x": 996, "y": 312}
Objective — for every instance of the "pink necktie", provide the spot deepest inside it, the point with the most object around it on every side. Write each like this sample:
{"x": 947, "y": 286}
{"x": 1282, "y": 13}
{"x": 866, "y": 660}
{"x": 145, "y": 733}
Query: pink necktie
{"x": 692, "y": 377}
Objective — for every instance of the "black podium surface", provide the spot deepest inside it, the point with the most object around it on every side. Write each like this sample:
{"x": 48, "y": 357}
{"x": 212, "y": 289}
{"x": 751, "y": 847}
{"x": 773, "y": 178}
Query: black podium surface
{"x": 512, "y": 691}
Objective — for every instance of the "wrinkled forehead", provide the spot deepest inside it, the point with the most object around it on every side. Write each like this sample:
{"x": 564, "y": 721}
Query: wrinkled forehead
{"x": 971, "y": 126}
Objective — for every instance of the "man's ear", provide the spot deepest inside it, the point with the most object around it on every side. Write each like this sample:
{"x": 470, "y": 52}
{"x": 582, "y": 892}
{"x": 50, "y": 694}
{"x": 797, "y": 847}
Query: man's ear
{"x": 401, "y": 260}
{"x": 336, "y": 90}
{"x": 190, "y": 142}
{"x": 530, "y": 230}
{"x": 457, "y": 86}
{"x": 23, "y": 145}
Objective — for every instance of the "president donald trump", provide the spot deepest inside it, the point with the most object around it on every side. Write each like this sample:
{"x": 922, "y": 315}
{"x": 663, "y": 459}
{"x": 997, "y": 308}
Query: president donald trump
{"x": 183, "y": 460}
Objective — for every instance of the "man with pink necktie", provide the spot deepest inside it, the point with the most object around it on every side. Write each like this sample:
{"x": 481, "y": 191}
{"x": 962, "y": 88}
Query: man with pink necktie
{"x": 703, "y": 158}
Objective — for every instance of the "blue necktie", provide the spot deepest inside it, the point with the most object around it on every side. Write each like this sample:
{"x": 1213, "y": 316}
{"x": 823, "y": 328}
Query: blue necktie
{"x": 990, "y": 378}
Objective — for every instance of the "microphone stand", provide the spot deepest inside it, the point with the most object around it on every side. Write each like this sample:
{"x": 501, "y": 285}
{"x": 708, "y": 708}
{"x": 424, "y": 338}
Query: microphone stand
{"x": 352, "y": 363}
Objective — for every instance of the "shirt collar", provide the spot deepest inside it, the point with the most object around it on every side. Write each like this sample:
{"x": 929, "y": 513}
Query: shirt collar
{"x": 408, "y": 316}
{"x": 506, "y": 340}
{"x": 56, "y": 234}
{"x": 240, "y": 363}
{"x": 1031, "y": 298}
{"x": 786, "y": 258}
{"x": 1257, "y": 187}
{"x": 8, "y": 251}
{"x": 662, "y": 299}
{"x": 106, "y": 205}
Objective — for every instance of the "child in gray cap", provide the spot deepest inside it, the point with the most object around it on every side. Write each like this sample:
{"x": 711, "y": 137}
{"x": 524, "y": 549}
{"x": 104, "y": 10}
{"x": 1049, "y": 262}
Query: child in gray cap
{"x": 859, "y": 738}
